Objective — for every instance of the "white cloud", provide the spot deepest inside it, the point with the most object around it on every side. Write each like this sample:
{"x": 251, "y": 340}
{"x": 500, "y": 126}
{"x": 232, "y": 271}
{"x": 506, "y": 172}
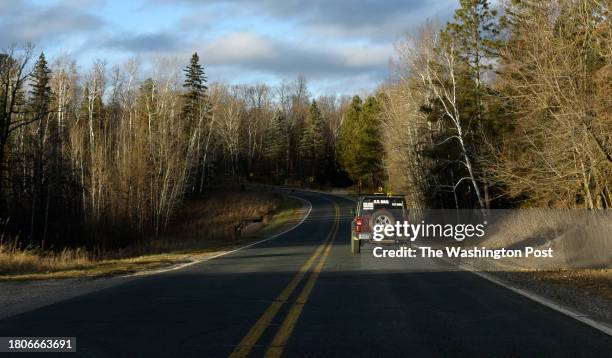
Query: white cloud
{"x": 25, "y": 22}
{"x": 239, "y": 47}
{"x": 366, "y": 55}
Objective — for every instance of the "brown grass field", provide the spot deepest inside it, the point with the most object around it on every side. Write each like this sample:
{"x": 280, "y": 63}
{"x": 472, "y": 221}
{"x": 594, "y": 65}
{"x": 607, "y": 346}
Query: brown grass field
{"x": 582, "y": 243}
{"x": 201, "y": 226}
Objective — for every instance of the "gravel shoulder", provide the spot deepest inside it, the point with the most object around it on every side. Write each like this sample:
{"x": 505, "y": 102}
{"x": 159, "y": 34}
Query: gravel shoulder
{"x": 586, "y": 291}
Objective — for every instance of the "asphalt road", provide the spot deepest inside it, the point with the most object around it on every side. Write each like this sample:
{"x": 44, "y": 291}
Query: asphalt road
{"x": 304, "y": 294}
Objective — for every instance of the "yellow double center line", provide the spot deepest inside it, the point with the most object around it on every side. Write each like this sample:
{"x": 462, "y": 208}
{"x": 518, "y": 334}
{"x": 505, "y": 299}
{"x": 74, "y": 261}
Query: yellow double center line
{"x": 280, "y": 339}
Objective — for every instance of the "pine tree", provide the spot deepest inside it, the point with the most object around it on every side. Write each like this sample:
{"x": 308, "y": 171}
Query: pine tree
{"x": 195, "y": 110}
{"x": 39, "y": 107}
{"x": 361, "y": 149}
{"x": 276, "y": 139}
{"x": 312, "y": 145}
{"x": 195, "y": 84}
{"x": 369, "y": 150}
{"x": 41, "y": 90}
{"x": 474, "y": 34}
{"x": 347, "y": 145}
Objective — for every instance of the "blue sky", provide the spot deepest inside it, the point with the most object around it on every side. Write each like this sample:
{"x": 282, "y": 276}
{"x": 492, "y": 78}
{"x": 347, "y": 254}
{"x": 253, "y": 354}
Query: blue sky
{"x": 341, "y": 46}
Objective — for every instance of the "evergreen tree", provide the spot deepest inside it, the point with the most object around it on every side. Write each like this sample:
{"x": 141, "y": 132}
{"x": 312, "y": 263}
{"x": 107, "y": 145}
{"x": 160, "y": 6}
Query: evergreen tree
{"x": 195, "y": 110}
{"x": 361, "y": 149}
{"x": 473, "y": 37}
{"x": 312, "y": 145}
{"x": 347, "y": 148}
{"x": 41, "y": 90}
{"x": 195, "y": 84}
{"x": 474, "y": 34}
{"x": 39, "y": 107}
{"x": 369, "y": 150}
{"x": 276, "y": 140}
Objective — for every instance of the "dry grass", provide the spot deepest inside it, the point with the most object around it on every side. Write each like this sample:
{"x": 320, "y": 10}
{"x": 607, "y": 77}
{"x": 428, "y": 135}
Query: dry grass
{"x": 200, "y": 227}
{"x": 579, "y": 238}
{"x": 582, "y": 244}
{"x": 545, "y": 224}
{"x": 94, "y": 268}
{"x": 216, "y": 216}
{"x": 13, "y": 259}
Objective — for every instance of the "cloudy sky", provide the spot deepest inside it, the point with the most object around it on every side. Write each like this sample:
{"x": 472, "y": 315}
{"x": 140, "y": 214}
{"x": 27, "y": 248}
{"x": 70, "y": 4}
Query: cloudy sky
{"x": 341, "y": 46}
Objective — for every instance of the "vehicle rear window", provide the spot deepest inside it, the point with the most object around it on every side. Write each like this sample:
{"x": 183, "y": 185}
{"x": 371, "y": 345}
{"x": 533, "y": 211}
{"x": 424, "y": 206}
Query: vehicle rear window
{"x": 382, "y": 203}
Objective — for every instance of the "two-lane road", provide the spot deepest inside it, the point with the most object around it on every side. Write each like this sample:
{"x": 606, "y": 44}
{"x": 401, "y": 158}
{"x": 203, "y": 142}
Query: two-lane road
{"x": 305, "y": 294}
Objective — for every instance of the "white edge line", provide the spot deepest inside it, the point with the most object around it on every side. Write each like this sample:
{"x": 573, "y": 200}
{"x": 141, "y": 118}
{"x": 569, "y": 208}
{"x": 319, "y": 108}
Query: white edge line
{"x": 546, "y": 302}
{"x": 187, "y": 264}
{"x": 600, "y": 326}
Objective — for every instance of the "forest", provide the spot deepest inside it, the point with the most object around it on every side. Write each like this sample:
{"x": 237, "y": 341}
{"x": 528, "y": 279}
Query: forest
{"x": 503, "y": 106}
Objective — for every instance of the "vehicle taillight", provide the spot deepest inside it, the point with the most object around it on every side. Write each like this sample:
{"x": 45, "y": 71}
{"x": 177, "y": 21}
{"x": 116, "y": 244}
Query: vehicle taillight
{"x": 358, "y": 224}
